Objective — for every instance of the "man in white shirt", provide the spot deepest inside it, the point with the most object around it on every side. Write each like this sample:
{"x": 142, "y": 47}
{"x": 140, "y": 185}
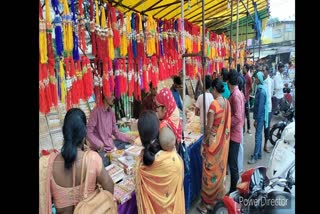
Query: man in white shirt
{"x": 291, "y": 71}
{"x": 268, "y": 83}
{"x": 199, "y": 103}
{"x": 278, "y": 89}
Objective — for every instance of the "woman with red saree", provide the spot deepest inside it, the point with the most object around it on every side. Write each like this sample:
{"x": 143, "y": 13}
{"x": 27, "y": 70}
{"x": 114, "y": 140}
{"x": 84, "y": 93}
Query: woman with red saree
{"x": 159, "y": 173}
{"x": 60, "y": 174}
{"x": 215, "y": 148}
{"x": 168, "y": 113}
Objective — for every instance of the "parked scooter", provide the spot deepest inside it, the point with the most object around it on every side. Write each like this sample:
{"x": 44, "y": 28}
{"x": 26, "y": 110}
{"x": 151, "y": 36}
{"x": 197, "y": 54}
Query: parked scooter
{"x": 277, "y": 129}
{"x": 257, "y": 194}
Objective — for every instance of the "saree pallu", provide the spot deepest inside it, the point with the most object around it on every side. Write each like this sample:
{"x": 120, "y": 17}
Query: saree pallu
{"x": 215, "y": 154}
{"x": 159, "y": 187}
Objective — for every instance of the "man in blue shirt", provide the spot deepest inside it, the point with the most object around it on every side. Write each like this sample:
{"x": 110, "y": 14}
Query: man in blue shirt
{"x": 175, "y": 88}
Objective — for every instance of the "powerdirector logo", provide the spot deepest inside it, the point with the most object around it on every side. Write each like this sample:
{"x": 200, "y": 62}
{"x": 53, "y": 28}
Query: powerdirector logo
{"x": 279, "y": 201}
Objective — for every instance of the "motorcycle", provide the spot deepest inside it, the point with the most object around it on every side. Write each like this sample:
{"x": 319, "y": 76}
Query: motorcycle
{"x": 283, "y": 155}
{"x": 277, "y": 129}
{"x": 256, "y": 193}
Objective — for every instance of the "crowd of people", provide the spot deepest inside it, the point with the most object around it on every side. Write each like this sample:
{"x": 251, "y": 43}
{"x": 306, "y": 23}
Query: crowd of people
{"x": 159, "y": 172}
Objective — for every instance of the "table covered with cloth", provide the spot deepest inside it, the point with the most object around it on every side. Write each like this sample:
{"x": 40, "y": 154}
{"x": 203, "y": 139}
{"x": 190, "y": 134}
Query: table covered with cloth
{"x": 192, "y": 180}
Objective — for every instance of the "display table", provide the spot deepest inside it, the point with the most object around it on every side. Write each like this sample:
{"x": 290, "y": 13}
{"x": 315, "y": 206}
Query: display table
{"x": 192, "y": 180}
{"x": 130, "y": 206}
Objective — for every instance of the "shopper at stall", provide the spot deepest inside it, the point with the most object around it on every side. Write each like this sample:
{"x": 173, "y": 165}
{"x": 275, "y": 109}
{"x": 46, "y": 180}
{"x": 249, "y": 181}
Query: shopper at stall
{"x": 159, "y": 173}
{"x": 168, "y": 113}
{"x": 60, "y": 174}
{"x": 224, "y": 75}
{"x": 278, "y": 89}
{"x": 199, "y": 103}
{"x": 148, "y": 102}
{"x": 175, "y": 89}
{"x": 237, "y": 101}
{"x": 260, "y": 116}
{"x": 215, "y": 148}
{"x": 248, "y": 90}
{"x": 102, "y": 126}
{"x": 268, "y": 84}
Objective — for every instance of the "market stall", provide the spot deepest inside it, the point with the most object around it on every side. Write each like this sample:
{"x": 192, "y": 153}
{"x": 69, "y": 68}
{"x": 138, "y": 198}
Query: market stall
{"x": 90, "y": 48}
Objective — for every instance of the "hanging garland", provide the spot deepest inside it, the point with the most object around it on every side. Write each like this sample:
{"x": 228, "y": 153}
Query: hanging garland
{"x": 67, "y": 29}
{"x": 75, "y": 51}
{"x": 81, "y": 28}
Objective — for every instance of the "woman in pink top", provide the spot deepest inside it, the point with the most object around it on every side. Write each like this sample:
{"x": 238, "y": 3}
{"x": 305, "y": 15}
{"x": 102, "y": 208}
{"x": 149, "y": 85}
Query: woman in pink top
{"x": 59, "y": 177}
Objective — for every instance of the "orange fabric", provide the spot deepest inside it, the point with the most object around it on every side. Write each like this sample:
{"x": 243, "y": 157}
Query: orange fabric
{"x": 159, "y": 187}
{"x": 65, "y": 196}
{"x": 215, "y": 154}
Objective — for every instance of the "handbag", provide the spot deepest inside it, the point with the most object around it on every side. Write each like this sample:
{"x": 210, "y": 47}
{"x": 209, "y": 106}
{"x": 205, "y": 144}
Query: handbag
{"x": 99, "y": 202}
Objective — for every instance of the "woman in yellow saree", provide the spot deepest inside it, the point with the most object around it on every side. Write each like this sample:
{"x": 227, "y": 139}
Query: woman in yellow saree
{"x": 159, "y": 173}
{"x": 215, "y": 148}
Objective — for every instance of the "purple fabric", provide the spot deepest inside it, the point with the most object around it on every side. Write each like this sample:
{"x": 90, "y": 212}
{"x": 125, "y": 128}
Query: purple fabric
{"x": 101, "y": 127}
{"x": 129, "y": 206}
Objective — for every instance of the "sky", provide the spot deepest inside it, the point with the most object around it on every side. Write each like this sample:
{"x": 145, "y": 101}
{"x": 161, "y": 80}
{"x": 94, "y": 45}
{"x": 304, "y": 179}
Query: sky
{"x": 283, "y": 9}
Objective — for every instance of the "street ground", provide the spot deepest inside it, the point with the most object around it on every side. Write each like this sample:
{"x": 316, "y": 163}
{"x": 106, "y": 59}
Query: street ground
{"x": 248, "y": 147}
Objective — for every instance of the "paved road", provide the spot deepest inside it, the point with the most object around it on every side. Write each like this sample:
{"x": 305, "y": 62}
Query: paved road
{"x": 248, "y": 147}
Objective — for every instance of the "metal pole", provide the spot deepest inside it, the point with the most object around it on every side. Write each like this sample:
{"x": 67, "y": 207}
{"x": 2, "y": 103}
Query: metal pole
{"x": 183, "y": 63}
{"x": 237, "y": 34}
{"x": 230, "y": 54}
{"x": 203, "y": 64}
{"x": 245, "y": 56}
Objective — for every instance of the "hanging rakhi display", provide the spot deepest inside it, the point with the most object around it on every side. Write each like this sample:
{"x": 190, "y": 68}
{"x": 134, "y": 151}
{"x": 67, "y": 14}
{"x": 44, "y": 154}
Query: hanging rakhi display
{"x": 98, "y": 32}
{"x": 123, "y": 76}
{"x": 160, "y": 51}
{"x": 81, "y": 28}
{"x": 110, "y": 36}
{"x": 145, "y": 75}
{"x": 87, "y": 77}
{"x": 52, "y": 78}
{"x": 131, "y": 66}
{"x": 103, "y": 48}
{"x": 58, "y": 28}
{"x": 42, "y": 38}
{"x": 138, "y": 82}
{"x": 79, "y": 81}
{"x": 139, "y": 36}
{"x": 43, "y": 104}
{"x": 134, "y": 35}
{"x": 162, "y": 69}
{"x": 150, "y": 36}
{"x": 105, "y": 79}
{"x": 75, "y": 51}
{"x": 92, "y": 29}
{"x": 62, "y": 82}
{"x": 114, "y": 25}
{"x": 68, "y": 83}
{"x": 67, "y": 29}
{"x": 155, "y": 71}
{"x": 111, "y": 76}
{"x": 165, "y": 37}
{"x": 117, "y": 79}
{"x": 124, "y": 36}
{"x": 75, "y": 90}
